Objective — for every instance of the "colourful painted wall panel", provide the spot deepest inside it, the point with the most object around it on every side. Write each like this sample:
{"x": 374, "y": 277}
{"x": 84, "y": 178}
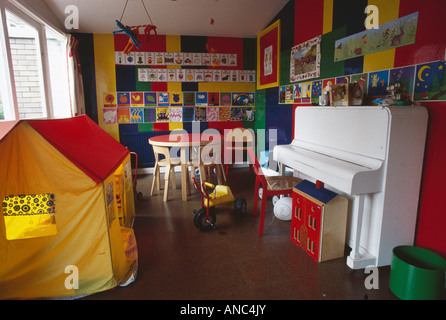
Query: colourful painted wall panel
{"x": 327, "y": 16}
{"x": 432, "y": 219}
{"x": 308, "y": 19}
{"x": 104, "y": 60}
{"x": 330, "y": 68}
{"x": 388, "y": 11}
{"x": 430, "y": 42}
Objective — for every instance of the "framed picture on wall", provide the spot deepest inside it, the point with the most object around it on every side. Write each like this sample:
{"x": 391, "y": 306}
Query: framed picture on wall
{"x": 268, "y": 53}
{"x": 305, "y": 60}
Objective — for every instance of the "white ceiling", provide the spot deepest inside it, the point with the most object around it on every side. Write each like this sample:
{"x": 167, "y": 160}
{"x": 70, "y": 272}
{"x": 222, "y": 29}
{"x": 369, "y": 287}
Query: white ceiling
{"x": 232, "y": 18}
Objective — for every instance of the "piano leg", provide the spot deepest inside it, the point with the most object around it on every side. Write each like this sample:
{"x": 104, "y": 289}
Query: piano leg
{"x": 358, "y": 213}
{"x": 356, "y": 260}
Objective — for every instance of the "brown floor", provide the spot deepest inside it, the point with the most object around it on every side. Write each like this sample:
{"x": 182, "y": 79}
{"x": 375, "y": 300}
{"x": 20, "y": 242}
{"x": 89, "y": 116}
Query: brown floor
{"x": 178, "y": 262}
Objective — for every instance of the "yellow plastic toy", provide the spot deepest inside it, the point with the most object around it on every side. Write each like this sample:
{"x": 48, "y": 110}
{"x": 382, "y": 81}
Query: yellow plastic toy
{"x": 205, "y": 217}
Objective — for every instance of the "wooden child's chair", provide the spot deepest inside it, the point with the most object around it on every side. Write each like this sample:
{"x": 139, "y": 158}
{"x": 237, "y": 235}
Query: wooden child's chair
{"x": 170, "y": 164}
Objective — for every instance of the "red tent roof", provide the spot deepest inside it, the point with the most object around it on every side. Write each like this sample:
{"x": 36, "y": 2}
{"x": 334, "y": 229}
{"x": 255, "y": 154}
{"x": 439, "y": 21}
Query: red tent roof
{"x": 81, "y": 141}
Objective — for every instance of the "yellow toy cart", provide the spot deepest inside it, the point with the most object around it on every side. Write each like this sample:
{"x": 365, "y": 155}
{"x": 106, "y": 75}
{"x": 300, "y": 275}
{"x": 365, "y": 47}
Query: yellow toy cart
{"x": 205, "y": 218}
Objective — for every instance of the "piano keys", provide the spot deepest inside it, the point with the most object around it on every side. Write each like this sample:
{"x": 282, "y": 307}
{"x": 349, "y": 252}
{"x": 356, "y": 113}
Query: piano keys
{"x": 372, "y": 155}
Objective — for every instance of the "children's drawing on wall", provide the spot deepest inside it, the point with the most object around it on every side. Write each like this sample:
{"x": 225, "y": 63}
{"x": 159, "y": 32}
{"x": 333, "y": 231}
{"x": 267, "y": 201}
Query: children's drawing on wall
{"x": 150, "y": 99}
{"x": 188, "y": 113}
{"x": 282, "y": 94}
{"x": 248, "y": 114}
{"x": 224, "y": 114}
{"x": 201, "y": 98}
{"x": 110, "y": 100}
{"x": 316, "y": 91}
{"x": 225, "y": 99}
{"x": 213, "y": 98}
{"x": 378, "y": 83}
{"x": 188, "y": 98}
{"x": 306, "y": 92}
{"x": 297, "y": 93}
{"x": 162, "y": 114}
{"x": 163, "y": 99}
{"x": 123, "y": 99}
{"x": 289, "y": 94}
{"x": 136, "y": 115}
{"x": 305, "y": 60}
{"x": 268, "y": 61}
{"x": 176, "y": 114}
{"x": 404, "y": 79}
{"x": 200, "y": 114}
{"x": 430, "y": 83}
{"x": 150, "y": 115}
{"x": 344, "y": 79}
{"x": 212, "y": 114}
{"x": 362, "y": 79}
{"x": 396, "y": 33}
{"x": 236, "y": 114}
{"x": 110, "y": 116}
{"x": 137, "y": 99}
{"x": 123, "y": 115}
{"x": 243, "y": 99}
{"x": 176, "y": 98}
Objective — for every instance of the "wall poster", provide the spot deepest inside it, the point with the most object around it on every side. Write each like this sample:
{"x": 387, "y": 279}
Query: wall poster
{"x": 305, "y": 62}
{"x": 396, "y": 33}
{"x": 268, "y": 53}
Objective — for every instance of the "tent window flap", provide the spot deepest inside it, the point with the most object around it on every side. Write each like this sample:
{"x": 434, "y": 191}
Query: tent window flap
{"x": 29, "y": 216}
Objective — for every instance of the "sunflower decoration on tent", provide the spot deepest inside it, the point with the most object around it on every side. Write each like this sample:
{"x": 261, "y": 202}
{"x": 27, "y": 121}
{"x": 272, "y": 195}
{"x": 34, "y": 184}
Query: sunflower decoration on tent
{"x": 133, "y": 31}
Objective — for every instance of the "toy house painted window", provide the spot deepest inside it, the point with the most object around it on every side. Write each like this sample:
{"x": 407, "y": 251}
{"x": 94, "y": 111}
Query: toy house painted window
{"x": 29, "y": 216}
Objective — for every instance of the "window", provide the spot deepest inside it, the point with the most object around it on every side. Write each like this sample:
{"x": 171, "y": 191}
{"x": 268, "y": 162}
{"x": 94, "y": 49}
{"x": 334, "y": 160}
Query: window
{"x": 58, "y": 72}
{"x": 33, "y": 67}
{"x": 27, "y": 67}
{"x": 4, "y": 103}
{"x": 29, "y": 216}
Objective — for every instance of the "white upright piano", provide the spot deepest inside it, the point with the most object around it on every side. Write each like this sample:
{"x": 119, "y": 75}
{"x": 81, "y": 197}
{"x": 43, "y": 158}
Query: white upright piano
{"x": 372, "y": 155}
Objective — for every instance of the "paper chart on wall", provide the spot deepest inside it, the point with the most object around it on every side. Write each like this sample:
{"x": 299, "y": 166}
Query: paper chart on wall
{"x": 195, "y": 75}
{"x": 176, "y": 58}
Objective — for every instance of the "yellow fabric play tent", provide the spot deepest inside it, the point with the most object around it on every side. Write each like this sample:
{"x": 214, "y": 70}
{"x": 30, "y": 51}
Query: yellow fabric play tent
{"x": 68, "y": 209}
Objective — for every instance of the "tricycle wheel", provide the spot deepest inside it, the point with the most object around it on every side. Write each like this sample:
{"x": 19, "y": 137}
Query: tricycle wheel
{"x": 204, "y": 223}
{"x": 240, "y": 207}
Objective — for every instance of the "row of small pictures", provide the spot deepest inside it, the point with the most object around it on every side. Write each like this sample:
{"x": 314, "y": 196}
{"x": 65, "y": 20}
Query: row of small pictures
{"x": 176, "y": 59}
{"x": 195, "y": 75}
{"x": 177, "y": 114}
{"x": 175, "y": 99}
{"x": 422, "y": 82}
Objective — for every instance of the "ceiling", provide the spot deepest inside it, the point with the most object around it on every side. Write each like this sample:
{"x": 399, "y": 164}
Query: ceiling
{"x": 231, "y": 18}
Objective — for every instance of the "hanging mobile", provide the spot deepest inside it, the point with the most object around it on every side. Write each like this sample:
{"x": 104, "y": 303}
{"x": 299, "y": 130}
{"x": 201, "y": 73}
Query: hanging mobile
{"x": 132, "y": 32}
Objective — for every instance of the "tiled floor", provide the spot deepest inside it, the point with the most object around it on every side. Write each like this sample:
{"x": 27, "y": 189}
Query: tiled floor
{"x": 176, "y": 261}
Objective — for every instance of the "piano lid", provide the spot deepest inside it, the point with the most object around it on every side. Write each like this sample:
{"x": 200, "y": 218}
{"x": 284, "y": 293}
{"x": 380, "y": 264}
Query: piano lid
{"x": 343, "y": 175}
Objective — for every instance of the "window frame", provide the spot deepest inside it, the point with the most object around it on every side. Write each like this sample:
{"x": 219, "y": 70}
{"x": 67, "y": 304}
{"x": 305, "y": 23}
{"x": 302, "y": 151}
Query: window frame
{"x": 12, "y": 111}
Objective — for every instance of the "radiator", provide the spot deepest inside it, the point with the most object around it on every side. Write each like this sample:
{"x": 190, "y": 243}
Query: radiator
{"x": 138, "y": 142}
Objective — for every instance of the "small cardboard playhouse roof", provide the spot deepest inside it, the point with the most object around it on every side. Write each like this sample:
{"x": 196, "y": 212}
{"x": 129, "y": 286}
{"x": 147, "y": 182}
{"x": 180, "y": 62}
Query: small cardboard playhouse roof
{"x": 81, "y": 141}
